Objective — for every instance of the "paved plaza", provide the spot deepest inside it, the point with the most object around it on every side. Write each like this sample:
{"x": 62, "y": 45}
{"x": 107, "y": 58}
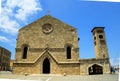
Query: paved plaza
{"x": 7, "y": 76}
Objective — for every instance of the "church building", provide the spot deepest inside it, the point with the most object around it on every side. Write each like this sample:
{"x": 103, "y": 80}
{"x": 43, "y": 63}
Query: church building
{"x": 50, "y": 46}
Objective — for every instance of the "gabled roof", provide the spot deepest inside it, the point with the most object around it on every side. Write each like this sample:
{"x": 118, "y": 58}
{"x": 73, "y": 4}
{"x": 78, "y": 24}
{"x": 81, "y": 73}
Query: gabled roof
{"x": 47, "y": 17}
{"x": 39, "y": 57}
{"x": 48, "y": 54}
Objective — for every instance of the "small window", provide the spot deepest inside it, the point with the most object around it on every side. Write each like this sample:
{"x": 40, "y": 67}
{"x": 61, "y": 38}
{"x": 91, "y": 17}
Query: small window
{"x": 99, "y": 31}
{"x": 68, "y": 52}
{"x": 95, "y": 43}
{"x": 25, "y": 49}
{"x": 94, "y": 38}
{"x": 100, "y": 36}
{"x": 102, "y": 42}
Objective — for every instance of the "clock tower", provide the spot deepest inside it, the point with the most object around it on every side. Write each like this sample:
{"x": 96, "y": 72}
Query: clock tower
{"x": 100, "y": 44}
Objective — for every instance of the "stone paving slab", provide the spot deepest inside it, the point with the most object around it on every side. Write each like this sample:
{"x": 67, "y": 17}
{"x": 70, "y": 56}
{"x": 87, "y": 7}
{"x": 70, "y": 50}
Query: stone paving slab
{"x": 11, "y": 77}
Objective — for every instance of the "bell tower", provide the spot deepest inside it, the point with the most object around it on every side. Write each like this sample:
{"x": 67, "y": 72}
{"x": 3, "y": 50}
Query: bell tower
{"x": 100, "y": 44}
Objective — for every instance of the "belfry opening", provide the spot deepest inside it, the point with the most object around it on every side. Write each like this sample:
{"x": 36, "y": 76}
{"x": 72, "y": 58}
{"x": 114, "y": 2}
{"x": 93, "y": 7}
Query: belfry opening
{"x": 46, "y": 66}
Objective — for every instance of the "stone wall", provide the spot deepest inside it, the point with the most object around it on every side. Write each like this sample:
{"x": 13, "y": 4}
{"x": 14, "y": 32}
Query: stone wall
{"x": 86, "y": 63}
{"x": 5, "y": 57}
{"x": 48, "y": 38}
{"x": 56, "y": 41}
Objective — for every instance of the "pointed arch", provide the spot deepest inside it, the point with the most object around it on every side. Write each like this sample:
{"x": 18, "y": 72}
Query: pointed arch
{"x": 46, "y": 66}
{"x": 95, "y": 69}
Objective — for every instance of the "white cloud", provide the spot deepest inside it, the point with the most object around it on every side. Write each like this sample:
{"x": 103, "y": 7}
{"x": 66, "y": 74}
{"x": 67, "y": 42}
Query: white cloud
{"x": 14, "y": 11}
{"x": 115, "y": 61}
{"x": 3, "y": 39}
{"x": 8, "y": 25}
{"x": 25, "y": 9}
{"x": 105, "y": 0}
{"x": 0, "y": 7}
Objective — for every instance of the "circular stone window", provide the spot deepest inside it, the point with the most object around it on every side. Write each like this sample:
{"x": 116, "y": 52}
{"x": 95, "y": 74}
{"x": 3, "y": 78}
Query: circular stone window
{"x": 47, "y": 28}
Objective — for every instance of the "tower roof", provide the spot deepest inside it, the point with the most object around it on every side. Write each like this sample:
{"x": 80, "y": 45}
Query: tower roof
{"x": 97, "y": 28}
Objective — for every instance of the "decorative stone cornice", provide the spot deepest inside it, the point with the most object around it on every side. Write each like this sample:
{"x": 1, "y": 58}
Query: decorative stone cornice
{"x": 42, "y": 49}
{"x": 49, "y": 49}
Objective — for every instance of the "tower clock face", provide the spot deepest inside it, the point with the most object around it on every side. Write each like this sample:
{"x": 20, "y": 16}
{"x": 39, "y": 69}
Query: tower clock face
{"x": 47, "y": 28}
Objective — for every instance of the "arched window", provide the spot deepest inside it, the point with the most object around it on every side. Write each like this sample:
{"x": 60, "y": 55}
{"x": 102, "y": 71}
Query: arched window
{"x": 68, "y": 51}
{"x": 25, "y": 49}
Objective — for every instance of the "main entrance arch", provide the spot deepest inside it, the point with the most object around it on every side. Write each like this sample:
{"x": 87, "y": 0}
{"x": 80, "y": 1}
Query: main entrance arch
{"x": 46, "y": 66}
{"x": 95, "y": 69}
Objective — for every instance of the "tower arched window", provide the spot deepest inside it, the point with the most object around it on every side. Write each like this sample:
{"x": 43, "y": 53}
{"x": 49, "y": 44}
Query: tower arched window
{"x": 68, "y": 51}
{"x": 100, "y": 36}
{"x": 25, "y": 50}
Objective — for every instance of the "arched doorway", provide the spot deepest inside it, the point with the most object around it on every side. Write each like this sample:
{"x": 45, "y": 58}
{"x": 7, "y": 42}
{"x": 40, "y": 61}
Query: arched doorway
{"x": 95, "y": 69}
{"x": 46, "y": 66}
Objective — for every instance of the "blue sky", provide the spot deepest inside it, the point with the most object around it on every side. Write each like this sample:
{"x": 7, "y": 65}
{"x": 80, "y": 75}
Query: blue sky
{"x": 81, "y": 14}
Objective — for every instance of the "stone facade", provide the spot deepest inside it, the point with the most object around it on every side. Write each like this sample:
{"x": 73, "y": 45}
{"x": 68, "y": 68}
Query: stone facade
{"x": 11, "y": 65}
{"x": 49, "y": 46}
{"x": 5, "y": 56}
